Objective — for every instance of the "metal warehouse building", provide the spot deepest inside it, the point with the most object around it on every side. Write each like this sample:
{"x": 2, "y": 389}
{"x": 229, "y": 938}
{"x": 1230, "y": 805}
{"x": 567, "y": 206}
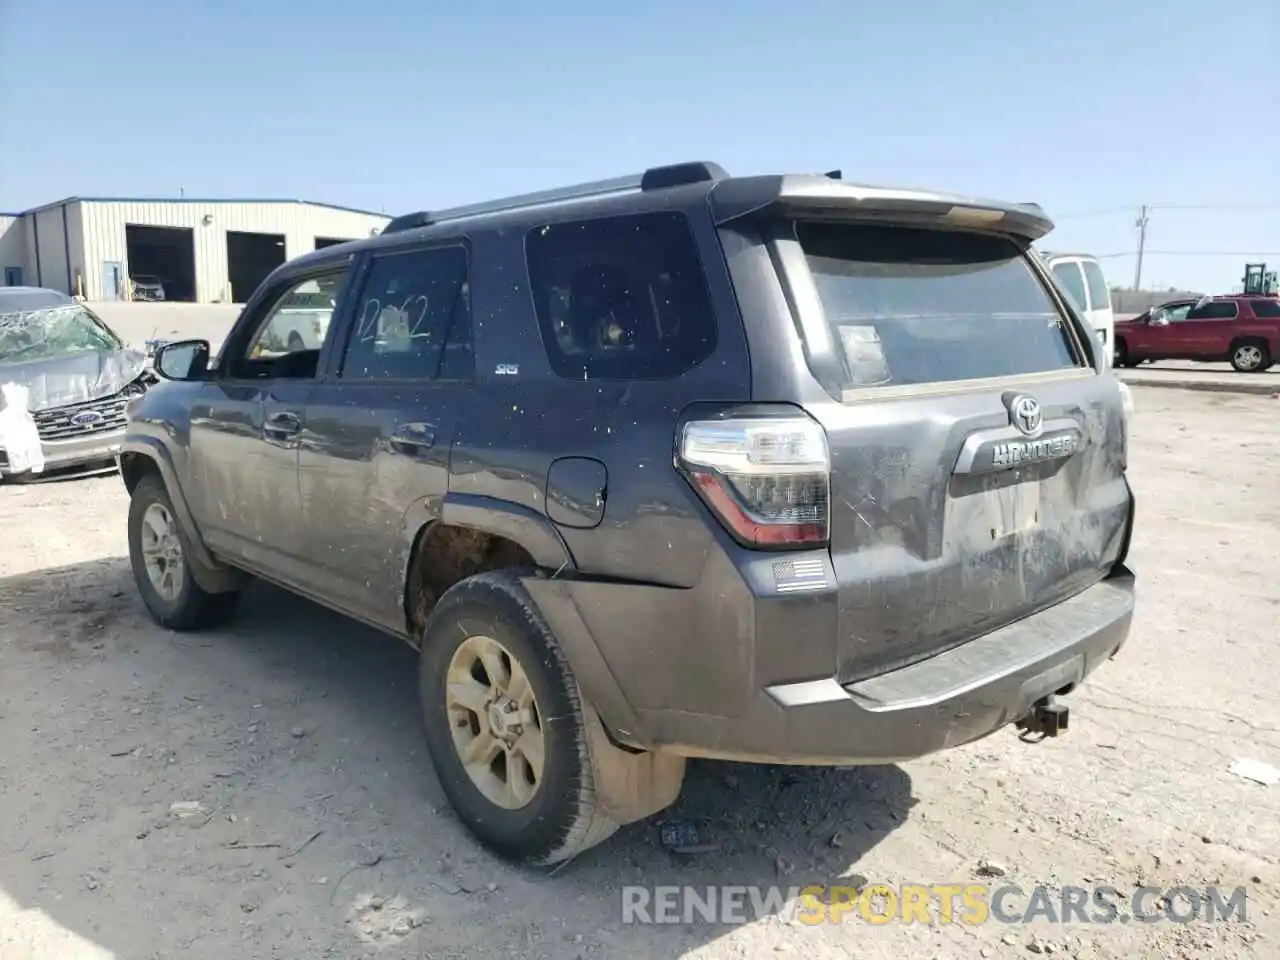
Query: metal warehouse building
{"x": 201, "y": 251}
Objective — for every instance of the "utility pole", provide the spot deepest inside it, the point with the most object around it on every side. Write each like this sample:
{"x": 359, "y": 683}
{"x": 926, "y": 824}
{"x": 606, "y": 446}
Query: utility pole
{"x": 1141, "y": 224}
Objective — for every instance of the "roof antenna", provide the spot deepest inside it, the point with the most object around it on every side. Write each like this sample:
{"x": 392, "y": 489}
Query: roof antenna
{"x": 834, "y": 175}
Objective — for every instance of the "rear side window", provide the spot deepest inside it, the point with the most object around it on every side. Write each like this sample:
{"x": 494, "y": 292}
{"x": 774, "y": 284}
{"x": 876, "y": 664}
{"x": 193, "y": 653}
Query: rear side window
{"x": 1214, "y": 310}
{"x": 1265, "y": 308}
{"x": 621, "y": 298}
{"x": 1068, "y": 274}
{"x": 1099, "y": 295}
{"x": 911, "y": 306}
{"x": 412, "y": 319}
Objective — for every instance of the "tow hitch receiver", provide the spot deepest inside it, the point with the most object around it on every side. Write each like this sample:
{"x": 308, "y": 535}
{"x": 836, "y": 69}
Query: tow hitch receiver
{"x": 1047, "y": 718}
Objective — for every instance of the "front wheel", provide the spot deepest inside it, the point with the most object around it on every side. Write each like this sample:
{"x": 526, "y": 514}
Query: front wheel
{"x": 158, "y": 556}
{"x": 1250, "y": 357}
{"x": 506, "y": 725}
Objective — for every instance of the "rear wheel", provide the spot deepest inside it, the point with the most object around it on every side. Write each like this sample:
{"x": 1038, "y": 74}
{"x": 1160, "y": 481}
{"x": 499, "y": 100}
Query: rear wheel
{"x": 506, "y": 726}
{"x": 158, "y": 556}
{"x": 1122, "y": 355}
{"x": 1250, "y": 356}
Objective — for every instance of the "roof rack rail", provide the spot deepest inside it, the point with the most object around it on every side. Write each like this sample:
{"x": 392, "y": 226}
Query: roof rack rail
{"x": 655, "y": 178}
{"x": 408, "y": 221}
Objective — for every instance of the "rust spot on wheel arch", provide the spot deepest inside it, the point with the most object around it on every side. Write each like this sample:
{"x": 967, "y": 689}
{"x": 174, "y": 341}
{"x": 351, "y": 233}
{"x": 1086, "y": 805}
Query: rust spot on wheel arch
{"x": 443, "y": 555}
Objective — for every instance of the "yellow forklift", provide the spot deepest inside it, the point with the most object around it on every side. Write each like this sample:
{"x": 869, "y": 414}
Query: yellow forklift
{"x": 1260, "y": 282}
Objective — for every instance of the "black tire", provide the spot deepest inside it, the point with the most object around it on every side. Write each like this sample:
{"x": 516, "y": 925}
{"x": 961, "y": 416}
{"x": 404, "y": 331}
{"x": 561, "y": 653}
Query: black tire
{"x": 564, "y": 817}
{"x": 1241, "y": 366}
{"x": 193, "y": 608}
{"x": 1122, "y": 355}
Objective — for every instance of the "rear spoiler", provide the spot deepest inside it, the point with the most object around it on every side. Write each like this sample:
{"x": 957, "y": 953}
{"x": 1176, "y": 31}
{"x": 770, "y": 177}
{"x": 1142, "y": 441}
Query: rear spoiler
{"x": 822, "y": 197}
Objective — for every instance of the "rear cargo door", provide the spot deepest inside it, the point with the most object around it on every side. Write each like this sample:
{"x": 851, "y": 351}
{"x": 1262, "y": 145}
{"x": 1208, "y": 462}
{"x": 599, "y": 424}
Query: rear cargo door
{"x": 977, "y": 455}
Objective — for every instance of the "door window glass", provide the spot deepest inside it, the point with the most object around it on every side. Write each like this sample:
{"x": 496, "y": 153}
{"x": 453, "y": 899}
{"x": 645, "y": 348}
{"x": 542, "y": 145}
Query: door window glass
{"x": 413, "y": 319}
{"x": 1214, "y": 310}
{"x": 288, "y": 340}
{"x": 1177, "y": 314}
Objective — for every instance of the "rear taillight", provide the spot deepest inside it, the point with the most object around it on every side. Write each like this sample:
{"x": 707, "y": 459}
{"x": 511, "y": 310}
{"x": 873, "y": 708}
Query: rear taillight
{"x": 768, "y": 479}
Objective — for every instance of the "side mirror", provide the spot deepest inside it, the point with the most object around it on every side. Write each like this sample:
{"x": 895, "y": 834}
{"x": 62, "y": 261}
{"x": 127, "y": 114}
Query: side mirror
{"x": 1158, "y": 318}
{"x": 183, "y": 360}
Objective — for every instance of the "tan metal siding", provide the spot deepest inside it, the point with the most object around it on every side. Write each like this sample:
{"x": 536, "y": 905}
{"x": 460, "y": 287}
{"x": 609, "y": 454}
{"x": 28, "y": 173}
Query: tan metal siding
{"x": 48, "y": 244}
{"x": 300, "y": 223}
{"x": 75, "y": 244}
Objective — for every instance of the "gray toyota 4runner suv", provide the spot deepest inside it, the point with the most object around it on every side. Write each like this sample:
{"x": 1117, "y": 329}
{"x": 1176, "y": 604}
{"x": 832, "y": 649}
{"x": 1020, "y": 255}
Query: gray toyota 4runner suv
{"x": 774, "y": 468}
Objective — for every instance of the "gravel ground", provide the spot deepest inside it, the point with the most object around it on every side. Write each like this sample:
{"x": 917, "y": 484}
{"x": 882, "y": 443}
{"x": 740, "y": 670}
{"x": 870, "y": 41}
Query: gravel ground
{"x": 321, "y": 832}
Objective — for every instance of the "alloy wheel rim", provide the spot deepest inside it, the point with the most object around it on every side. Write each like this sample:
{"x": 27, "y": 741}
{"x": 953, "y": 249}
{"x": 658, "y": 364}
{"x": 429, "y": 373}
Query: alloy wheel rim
{"x": 495, "y": 722}
{"x": 162, "y": 552}
{"x": 1249, "y": 357}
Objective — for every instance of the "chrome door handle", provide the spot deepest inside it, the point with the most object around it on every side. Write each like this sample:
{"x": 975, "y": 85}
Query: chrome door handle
{"x": 281, "y": 426}
{"x": 413, "y": 438}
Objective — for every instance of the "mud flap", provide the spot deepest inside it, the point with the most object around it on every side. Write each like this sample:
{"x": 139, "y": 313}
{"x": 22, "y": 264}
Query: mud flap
{"x": 630, "y": 785}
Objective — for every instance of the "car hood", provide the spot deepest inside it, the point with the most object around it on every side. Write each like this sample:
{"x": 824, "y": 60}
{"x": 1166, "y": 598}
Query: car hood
{"x": 79, "y": 378}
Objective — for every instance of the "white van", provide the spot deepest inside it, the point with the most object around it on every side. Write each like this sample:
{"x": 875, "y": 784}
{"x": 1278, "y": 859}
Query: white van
{"x": 1081, "y": 277}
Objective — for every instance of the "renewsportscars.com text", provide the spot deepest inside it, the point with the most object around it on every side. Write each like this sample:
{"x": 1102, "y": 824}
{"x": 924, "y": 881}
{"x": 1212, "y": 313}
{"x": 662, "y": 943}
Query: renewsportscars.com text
{"x": 931, "y": 904}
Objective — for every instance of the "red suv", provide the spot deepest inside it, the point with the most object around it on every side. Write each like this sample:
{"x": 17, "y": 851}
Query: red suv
{"x": 1244, "y": 330}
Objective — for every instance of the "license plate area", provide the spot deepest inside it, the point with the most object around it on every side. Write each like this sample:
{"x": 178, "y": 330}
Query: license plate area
{"x": 1009, "y": 505}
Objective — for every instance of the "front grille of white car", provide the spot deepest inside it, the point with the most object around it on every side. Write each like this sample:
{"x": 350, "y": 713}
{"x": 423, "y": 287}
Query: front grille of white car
{"x": 81, "y": 419}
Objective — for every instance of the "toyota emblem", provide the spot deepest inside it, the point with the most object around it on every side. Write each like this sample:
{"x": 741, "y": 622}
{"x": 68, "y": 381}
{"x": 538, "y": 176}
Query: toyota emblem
{"x": 1024, "y": 413}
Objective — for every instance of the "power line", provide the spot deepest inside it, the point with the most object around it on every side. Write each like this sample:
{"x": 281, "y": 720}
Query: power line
{"x": 1129, "y": 211}
{"x": 1215, "y": 206}
{"x": 1101, "y": 212}
{"x": 1189, "y": 253}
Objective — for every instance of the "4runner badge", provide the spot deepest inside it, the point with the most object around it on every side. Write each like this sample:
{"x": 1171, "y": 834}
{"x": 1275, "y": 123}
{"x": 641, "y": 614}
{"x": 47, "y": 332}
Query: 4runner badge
{"x": 1027, "y": 440}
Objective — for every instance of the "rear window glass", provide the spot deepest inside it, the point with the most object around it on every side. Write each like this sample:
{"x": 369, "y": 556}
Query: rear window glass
{"x": 1265, "y": 308}
{"x": 911, "y": 306}
{"x": 1214, "y": 310}
{"x": 1099, "y": 295}
{"x": 1068, "y": 275}
{"x": 621, "y": 298}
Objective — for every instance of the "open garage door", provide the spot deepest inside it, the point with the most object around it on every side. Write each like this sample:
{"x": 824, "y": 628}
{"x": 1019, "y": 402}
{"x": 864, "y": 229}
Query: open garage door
{"x": 250, "y": 258}
{"x": 322, "y": 242}
{"x": 162, "y": 262}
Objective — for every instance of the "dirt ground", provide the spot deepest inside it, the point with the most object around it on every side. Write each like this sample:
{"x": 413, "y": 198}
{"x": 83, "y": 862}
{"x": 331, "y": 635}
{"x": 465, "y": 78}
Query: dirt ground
{"x": 321, "y": 832}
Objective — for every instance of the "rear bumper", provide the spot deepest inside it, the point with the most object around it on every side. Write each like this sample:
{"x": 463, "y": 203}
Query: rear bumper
{"x": 73, "y": 453}
{"x": 950, "y": 699}
{"x": 709, "y": 706}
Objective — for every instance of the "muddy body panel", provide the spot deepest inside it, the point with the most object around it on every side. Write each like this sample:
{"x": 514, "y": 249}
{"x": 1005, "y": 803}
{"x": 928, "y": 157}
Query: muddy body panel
{"x": 795, "y": 470}
{"x": 935, "y": 543}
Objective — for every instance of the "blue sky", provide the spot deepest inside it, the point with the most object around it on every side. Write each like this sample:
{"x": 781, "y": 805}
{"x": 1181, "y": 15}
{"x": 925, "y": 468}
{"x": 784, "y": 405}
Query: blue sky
{"x": 1091, "y": 108}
